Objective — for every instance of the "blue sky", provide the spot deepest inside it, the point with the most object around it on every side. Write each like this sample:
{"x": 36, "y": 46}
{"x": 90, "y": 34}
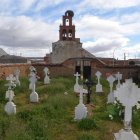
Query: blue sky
{"x": 105, "y": 27}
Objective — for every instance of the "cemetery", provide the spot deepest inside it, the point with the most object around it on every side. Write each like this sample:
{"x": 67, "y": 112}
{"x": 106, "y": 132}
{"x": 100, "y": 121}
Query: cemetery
{"x": 71, "y": 95}
{"x": 56, "y": 112}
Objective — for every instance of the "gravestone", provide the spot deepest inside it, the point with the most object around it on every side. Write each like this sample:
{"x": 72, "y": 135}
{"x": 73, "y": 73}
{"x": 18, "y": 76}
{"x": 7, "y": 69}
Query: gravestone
{"x": 10, "y": 107}
{"x": 118, "y": 77}
{"x": 80, "y": 109}
{"x": 98, "y": 86}
{"x": 33, "y": 79}
{"x": 110, "y": 97}
{"x": 32, "y": 71}
{"x": 46, "y": 79}
{"x": 16, "y": 75}
{"x": 128, "y": 95}
{"x": 89, "y": 84}
{"x": 76, "y": 86}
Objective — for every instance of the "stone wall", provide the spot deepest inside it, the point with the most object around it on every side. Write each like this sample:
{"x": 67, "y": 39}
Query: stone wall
{"x": 127, "y": 72}
{"x": 69, "y": 70}
{"x": 55, "y": 70}
{"x": 9, "y": 68}
{"x": 64, "y": 50}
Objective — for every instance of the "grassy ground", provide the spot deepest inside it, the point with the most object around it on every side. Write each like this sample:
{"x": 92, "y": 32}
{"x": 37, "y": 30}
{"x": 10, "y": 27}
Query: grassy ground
{"x": 53, "y": 117}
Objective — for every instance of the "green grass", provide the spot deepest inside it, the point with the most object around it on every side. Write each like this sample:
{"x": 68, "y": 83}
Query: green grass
{"x": 53, "y": 117}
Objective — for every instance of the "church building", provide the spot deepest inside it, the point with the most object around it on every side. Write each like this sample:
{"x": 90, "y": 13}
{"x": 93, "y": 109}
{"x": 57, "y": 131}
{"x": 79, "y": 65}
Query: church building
{"x": 68, "y": 49}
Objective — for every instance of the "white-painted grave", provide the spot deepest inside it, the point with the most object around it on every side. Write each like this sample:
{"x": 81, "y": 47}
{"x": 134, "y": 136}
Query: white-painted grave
{"x": 76, "y": 86}
{"x": 98, "y": 86}
{"x": 46, "y": 79}
{"x": 16, "y": 74}
{"x": 128, "y": 94}
{"x": 110, "y": 97}
{"x": 33, "y": 79}
{"x": 119, "y": 78}
{"x": 80, "y": 109}
{"x": 10, "y": 107}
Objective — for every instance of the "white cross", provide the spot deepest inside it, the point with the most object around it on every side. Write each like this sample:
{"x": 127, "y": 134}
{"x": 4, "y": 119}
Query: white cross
{"x": 118, "y": 77}
{"x": 111, "y": 79}
{"x": 77, "y": 77}
{"x": 128, "y": 94}
{"x": 98, "y": 74}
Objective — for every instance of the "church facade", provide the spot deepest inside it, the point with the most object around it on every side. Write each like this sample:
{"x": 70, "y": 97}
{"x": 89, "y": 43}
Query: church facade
{"x": 68, "y": 50}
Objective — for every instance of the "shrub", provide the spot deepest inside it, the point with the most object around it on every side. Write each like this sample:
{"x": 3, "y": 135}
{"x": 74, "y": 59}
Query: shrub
{"x": 25, "y": 115}
{"x": 86, "y": 137}
{"x": 4, "y": 124}
{"x": 37, "y": 127}
{"x": 87, "y": 124}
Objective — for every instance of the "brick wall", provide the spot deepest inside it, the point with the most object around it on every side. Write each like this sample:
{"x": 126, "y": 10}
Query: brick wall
{"x": 55, "y": 70}
{"x": 9, "y": 68}
{"x": 68, "y": 70}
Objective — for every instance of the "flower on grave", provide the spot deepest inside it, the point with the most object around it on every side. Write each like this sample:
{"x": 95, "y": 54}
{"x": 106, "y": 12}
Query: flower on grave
{"x": 111, "y": 117}
{"x": 66, "y": 93}
{"x": 115, "y": 102}
{"x": 138, "y": 105}
{"x": 115, "y": 110}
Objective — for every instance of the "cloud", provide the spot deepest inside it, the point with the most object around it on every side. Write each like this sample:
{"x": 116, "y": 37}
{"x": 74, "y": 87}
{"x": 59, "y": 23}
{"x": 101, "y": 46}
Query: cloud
{"x": 109, "y": 4}
{"x": 35, "y": 33}
{"x": 95, "y": 27}
{"x": 23, "y": 32}
{"x": 42, "y": 4}
{"x": 103, "y": 44}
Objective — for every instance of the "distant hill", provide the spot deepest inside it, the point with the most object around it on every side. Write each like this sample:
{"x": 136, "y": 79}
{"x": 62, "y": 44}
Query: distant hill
{"x": 2, "y": 52}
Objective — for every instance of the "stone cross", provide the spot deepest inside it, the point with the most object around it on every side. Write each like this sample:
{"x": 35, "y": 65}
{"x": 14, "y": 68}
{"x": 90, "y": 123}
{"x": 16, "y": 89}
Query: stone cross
{"x": 76, "y": 86}
{"x": 16, "y": 74}
{"x": 11, "y": 80}
{"x": 118, "y": 77}
{"x": 98, "y": 74}
{"x": 77, "y": 77}
{"x": 98, "y": 86}
{"x": 111, "y": 80}
{"x": 10, "y": 107}
{"x": 33, "y": 79}
{"x": 89, "y": 85}
{"x": 9, "y": 95}
{"x": 81, "y": 96}
{"x": 32, "y": 73}
{"x": 128, "y": 94}
{"x": 80, "y": 109}
{"x": 46, "y": 79}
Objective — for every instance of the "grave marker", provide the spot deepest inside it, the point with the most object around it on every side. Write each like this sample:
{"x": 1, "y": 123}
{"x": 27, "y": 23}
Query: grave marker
{"x": 98, "y": 86}
{"x": 16, "y": 75}
{"x": 10, "y": 107}
{"x": 33, "y": 79}
{"x": 118, "y": 77}
{"x": 46, "y": 79}
{"x": 128, "y": 94}
{"x": 111, "y": 80}
{"x": 80, "y": 109}
{"x": 89, "y": 85}
{"x": 76, "y": 86}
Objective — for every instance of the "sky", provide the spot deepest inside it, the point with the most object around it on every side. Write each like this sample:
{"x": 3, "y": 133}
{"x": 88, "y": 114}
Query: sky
{"x": 107, "y": 28}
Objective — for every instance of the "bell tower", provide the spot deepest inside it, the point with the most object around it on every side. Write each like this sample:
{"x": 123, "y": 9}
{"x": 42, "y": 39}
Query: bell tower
{"x": 67, "y": 30}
